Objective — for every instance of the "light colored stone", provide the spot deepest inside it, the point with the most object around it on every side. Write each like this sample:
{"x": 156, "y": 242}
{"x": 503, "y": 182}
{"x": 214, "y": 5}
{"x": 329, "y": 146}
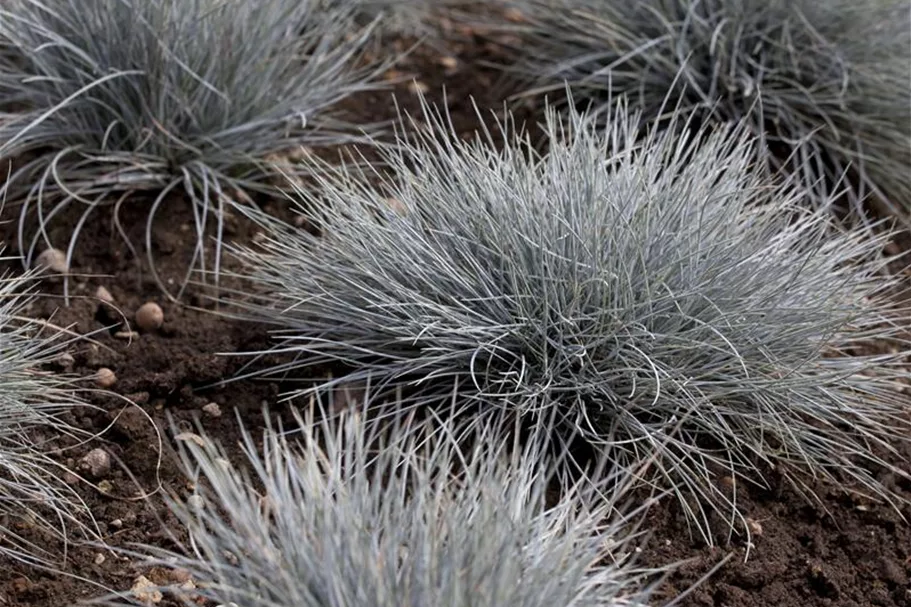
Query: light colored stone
{"x": 212, "y": 410}
{"x": 105, "y": 378}
{"x": 96, "y": 463}
{"x": 53, "y": 260}
{"x": 754, "y": 526}
{"x": 104, "y": 296}
{"x": 149, "y": 316}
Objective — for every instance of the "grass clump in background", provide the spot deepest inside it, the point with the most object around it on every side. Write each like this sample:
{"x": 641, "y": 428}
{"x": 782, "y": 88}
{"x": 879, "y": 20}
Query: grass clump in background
{"x": 33, "y": 405}
{"x": 658, "y": 298}
{"x": 337, "y": 512}
{"x": 400, "y": 18}
{"x": 108, "y": 101}
{"x": 824, "y": 85}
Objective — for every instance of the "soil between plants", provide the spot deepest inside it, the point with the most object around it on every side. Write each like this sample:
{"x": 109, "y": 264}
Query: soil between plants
{"x": 840, "y": 553}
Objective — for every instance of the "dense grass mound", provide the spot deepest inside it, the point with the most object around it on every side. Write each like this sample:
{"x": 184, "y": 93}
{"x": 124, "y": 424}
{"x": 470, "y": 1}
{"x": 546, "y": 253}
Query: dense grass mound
{"x": 824, "y": 84}
{"x": 110, "y": 101}
{"x": 33, "y": 402}
{"x": 658, "y": 298}
{"x": 396, "y": 18}
{"x": 332, "y": 513}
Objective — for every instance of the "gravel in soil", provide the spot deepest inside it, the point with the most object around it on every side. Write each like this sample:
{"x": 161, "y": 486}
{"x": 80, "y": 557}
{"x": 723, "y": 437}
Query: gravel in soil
{"x": 839, "y": 553}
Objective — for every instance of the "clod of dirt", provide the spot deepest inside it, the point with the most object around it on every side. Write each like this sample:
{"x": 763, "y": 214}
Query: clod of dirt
{"x": 105, "y": 378}
{"x": 53, "y": 260}
{"x": 149, "y": 316}
{"x": 21, "y": 585}
{"x": 96, "y": 463}
{"x": 145, "y": 591}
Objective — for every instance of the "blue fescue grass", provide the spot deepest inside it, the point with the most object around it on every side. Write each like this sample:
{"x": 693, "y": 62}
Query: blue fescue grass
{"x": 334, "y": 512}
{"x": 33, "y": 404}
{"x": 651, "y": 291}
{"x": 109, "y": 101}
{"x": 824, "y": 85}
{"x": 397, "y": 18}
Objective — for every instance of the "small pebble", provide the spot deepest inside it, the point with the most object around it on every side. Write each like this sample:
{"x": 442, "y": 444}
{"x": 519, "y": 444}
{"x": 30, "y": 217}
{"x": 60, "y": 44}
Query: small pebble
{"x": 117, "y": 523}
{"x": 96, "y": 462}
{"x": 104, "y": 296}
{"x": 754, "y": 527}
{"x": 417, "y": 87}
{"x": 105, "y": 486}
{"x": 99, "y": 558}
{"x": 149, "y": 316}
{"x": 212, "y": 410}
{"x": 66, "y": 361}
{"x": 196, "y": 502}
{"x": 449, "y": 62}
{"x": 53, "y": 260}
{"x": 105, "y": 378}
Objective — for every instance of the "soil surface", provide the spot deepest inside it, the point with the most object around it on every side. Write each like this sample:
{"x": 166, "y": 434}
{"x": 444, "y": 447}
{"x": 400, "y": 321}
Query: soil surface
{"x": 840, "y": 553}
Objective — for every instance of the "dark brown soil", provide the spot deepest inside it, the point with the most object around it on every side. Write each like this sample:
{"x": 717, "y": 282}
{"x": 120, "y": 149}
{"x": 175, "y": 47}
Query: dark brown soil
{"x": 857, "y": 554}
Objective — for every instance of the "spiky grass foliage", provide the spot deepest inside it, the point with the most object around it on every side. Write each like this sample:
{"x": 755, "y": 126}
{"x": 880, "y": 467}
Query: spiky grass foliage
{"x": 825, "y": 85}
{"x": 32, "y": 402}
{"x": 413, "y": 18}
{"x": 343, "y": 511}
{"x": 654, "y": 295}
{"x": 167, "y": 99}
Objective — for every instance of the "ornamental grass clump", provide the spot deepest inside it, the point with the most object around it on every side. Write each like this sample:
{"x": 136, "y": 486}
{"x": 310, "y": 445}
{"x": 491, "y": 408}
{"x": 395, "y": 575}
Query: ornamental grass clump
{"x": 394, "y": 18}
{"x": 824, "y": 84}
{"x": 109, "y": 102}
{"x": 656, "y": 297}
{"x": 335, "y": 513}
{"x": 39, "y": 512}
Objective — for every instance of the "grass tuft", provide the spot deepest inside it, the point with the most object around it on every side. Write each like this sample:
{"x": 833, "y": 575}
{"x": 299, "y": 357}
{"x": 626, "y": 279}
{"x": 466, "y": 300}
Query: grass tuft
{"x": 39, "y": 512}
{"x": 657, "y": 297}
{"x": 112, "y": 101}
{"x": 824, "y": 85}
{"x": 334, "y": 512}
{"x": 400, "y": 18}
